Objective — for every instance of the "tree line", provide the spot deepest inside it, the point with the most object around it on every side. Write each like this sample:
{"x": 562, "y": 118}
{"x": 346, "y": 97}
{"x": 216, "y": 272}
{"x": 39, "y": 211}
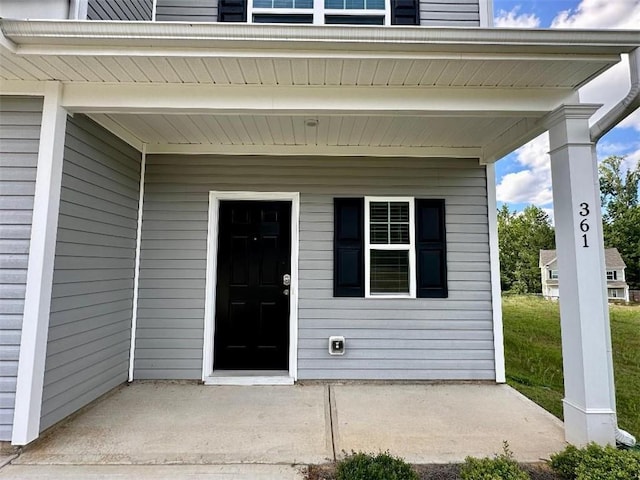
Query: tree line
{"x": 521, "y": 235}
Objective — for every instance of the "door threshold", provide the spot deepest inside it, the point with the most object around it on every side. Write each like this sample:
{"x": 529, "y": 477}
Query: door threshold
{"x": 249, "y": 377}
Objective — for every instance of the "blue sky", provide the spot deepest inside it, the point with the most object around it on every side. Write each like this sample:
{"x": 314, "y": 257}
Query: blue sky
{"x": 523, "y": 177}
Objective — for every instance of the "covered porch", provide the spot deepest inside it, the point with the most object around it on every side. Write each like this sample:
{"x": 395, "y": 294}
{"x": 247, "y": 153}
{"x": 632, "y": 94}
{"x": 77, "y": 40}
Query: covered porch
{"x": 189, "y": 111}
{"x": 165, "y": 423}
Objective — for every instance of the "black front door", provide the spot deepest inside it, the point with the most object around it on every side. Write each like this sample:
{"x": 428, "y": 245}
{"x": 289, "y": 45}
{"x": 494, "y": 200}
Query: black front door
{"x": 252, "y": 298}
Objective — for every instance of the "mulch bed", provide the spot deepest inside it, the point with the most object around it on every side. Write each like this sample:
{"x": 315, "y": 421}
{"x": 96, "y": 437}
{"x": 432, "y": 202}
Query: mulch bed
{"x": 450, "y": 471}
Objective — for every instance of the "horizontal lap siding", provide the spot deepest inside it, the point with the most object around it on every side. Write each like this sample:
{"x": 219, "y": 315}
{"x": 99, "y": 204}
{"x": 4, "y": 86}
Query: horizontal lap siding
{"x": 91, "y": 305}
{"x": 412, "y": 339}
{"x": 450, "y": 13}
{"x": 119, "y": 9}
{"x": 20, "y": 120}
{"x": 187, "y": 11}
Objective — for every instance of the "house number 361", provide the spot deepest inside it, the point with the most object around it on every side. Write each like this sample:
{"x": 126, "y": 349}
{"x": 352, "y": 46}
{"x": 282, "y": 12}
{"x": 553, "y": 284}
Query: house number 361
{"x": 584, "y": 223}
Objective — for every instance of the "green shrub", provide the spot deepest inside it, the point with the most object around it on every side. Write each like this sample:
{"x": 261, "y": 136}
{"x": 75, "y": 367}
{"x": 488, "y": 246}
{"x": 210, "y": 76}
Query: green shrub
{"x": 501, "y": 467}
{"x": 594, "y": 462}
{"x": 566, "y": 462}
{"x": 364, "y": 466}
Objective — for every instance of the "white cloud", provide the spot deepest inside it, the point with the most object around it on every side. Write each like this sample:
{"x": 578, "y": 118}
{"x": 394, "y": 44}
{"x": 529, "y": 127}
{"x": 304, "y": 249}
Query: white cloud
{"x": 552, "y": 218}
{"x": 607, "y": 148}
{"x": 532, "y": 184}
{"x": 632, "y": 159}
{"x": 608, "y": 89}
{"x": 632, "y": 121}
{"x": 512, "y": 19}
{"x": 600, "y": 14}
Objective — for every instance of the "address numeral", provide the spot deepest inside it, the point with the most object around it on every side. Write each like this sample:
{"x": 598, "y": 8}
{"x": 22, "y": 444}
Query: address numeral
{"x": 584, "y": 224}
{"x": 584, "y": 209}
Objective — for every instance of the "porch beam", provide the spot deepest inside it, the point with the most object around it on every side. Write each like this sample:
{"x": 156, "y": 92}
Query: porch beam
{"x": 309, "y": 100}
{"x": 589, "y": 403}
{"x": 44, "y": 225}
{"x": 520, "y": 133}
{"x": 22, "y": 87}
{"x": 305, "y": 150}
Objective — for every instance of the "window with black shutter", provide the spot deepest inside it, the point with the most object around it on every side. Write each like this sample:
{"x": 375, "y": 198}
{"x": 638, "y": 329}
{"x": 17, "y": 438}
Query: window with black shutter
{"x": 390, "y": 247}
{"x": 354, "y": 12}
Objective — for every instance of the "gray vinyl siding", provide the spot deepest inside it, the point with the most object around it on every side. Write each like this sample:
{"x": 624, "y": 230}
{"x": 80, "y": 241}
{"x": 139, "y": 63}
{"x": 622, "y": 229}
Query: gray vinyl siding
{"x": 450, "y": 13}
{"x": 386, "y": 339}
{"x": 119, "y": 9}
{"x": 20, "y": 120}
{"x": 92, "y": 300}
{"x": 187, "y": 11}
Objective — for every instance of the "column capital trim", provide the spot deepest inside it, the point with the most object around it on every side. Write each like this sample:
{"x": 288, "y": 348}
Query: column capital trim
{"x": 571, "y": 111}
{"x": 568, "y": 145}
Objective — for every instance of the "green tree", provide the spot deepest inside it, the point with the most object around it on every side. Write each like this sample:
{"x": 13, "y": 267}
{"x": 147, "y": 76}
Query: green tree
{"x": 521, "y": 236}
{"x": 621, "y": 213}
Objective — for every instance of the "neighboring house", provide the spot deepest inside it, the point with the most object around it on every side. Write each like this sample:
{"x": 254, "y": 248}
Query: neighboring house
{"x": 185, "y": 197}
{"x": 617, "y": 288}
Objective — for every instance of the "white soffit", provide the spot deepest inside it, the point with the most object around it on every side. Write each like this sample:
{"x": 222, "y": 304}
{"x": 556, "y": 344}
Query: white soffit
{"x": 244, "y": 54}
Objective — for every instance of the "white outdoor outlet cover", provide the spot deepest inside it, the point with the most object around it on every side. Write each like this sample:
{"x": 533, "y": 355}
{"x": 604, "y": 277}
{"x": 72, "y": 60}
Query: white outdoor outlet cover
{"x": 336, "y": 345}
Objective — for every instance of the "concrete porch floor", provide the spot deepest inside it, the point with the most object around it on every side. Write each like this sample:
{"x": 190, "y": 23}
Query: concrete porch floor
{"x": 174, "y": 430}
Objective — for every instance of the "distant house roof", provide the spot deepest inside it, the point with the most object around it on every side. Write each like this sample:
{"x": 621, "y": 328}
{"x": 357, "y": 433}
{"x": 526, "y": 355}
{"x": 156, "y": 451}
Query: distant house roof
{"x": 546, "y": 257}
{"x": 612, "y": 258}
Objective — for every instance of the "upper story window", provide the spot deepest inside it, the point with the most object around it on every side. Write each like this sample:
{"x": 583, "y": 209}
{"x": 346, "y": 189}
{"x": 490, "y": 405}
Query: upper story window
{"x": 553, "y": 274}
{"x": 362, "y": 12}
{"x": 612, "y": 275}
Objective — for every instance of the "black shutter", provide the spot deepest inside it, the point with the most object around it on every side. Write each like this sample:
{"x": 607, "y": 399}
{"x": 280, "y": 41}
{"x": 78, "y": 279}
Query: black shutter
{"x": 232, "y": 10}
{"x": 431, "y": 249}
{"x": 405, "y": 12}
{"x": 348, "y": 247}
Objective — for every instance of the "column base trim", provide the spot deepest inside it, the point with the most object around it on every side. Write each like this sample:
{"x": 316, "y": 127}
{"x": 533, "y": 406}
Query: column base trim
{"x": 586, "y": 425}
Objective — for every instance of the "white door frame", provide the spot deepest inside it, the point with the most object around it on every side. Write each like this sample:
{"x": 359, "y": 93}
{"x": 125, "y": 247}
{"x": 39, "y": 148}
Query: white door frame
{"x": 210, "y": 290}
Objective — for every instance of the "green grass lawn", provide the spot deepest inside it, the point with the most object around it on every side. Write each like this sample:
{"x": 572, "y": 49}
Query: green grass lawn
{"x": 534, "y": 356}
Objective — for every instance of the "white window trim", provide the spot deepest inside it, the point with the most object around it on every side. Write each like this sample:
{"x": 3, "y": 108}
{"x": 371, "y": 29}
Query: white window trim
{"x": 78, "y": 9}
{"x": 411, "y": 246}
{"x": 208, "y": 374}
{"x": 614, "y": 275}
{"x": 551, "y": 274}
{"x": 318, "y": 11}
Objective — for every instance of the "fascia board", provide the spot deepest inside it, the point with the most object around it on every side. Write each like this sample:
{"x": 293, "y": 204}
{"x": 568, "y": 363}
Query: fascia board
{"x": 308, "y": 37}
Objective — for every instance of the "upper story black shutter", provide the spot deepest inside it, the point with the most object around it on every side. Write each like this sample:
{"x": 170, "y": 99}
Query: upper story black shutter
{"x": 431, "y": 249}
{"x": 348, "y": 247}
{"x": 405, "y": 12}
{"x": 232, "y": 10}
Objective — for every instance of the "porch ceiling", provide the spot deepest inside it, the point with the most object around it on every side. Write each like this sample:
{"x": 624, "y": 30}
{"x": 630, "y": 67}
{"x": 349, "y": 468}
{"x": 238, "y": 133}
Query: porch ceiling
{"x": 250, "y": 88}
{"x": 167, "y": 132}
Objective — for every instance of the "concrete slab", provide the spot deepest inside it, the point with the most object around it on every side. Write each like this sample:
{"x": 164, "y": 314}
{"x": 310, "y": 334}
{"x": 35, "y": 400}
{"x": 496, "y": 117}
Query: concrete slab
{"x": 168, "y": 423}
{"x": 442, "y": 423}
{"x": 155, "y": 472}
{"x": 5, "y": 459}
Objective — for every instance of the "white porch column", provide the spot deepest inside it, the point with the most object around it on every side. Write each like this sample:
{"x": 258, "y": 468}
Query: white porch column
{"x": 589, "y": 403}
{"x": 35, "y": 324}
